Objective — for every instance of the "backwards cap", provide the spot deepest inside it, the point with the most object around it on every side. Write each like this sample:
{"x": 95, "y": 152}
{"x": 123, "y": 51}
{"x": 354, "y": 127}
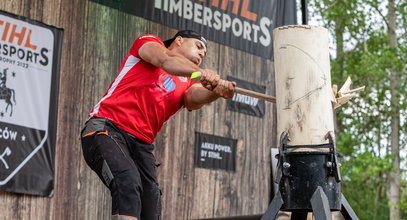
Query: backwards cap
{"x": 186, "y": 34}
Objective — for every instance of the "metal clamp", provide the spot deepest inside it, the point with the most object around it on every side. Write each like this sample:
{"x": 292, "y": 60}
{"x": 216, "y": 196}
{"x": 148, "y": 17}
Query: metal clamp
{"x": 333, "y": 165}
{"x": 283, "y": 166}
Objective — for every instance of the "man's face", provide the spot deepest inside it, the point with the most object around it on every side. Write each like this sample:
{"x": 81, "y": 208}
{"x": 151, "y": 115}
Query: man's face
{"x": 193, "y": 49}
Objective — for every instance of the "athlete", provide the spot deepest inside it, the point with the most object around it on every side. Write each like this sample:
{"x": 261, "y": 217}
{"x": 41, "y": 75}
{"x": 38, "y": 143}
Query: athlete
{"x": 153, "y": 83}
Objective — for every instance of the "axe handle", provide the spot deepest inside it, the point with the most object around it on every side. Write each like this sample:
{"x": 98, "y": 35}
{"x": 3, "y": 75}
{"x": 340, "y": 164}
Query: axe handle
{"x": 196, "y": 75}
{"x": 255, "y": 94}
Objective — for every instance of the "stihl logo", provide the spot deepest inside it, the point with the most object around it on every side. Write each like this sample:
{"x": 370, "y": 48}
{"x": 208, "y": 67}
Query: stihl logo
{"x": 244, "y": 9}
{"x": 16, "y": 44}
{"x": 11, "y": 33}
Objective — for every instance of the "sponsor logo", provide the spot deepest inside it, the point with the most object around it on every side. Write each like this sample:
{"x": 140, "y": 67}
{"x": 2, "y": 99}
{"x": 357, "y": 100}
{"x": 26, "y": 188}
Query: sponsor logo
{"x": 7, "y": 94}
{"x": 245, "y": 99}
{"x": 243, "y": 23}
{"x": 16, "y": 44}
{"x": 25, "y": 90}
{"x": 183, "y": 79}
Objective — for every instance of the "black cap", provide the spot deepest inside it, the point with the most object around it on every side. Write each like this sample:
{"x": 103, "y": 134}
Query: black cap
{"x": 186, "y": 34}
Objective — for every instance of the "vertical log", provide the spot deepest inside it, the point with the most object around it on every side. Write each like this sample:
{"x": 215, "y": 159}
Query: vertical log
{"x": 303, "y": 85}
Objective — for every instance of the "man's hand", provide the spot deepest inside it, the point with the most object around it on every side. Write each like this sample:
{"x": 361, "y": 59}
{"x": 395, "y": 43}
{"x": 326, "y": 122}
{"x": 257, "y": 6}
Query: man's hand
{"x": 209, "y": 79}
{"x": 197, "y": 95}
{"x": 225, "y": 89}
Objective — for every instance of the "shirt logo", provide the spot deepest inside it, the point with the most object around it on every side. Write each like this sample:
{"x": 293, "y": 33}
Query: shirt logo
{"x": 165, "y": 82}
{"x": 183, "y": 79}
{"x": 169, "y": 84}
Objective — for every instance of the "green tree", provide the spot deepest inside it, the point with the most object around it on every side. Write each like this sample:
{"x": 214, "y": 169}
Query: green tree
{"x": 370, "y": 46}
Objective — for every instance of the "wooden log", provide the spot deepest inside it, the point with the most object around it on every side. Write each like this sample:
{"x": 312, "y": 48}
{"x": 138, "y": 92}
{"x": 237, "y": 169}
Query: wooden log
{"x": 303, "y": 85}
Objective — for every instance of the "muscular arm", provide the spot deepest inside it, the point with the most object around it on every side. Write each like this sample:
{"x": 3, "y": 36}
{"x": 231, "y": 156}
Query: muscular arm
{"x": 175, "y": 64}
{"x": 196, "y": 96}
{"x": 172, "y": 62}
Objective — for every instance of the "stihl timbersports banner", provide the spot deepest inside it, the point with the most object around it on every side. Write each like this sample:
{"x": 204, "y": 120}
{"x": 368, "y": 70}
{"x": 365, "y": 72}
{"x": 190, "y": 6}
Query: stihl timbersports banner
{"x": 29, "y": 77}
{"x": 242, "y": 24}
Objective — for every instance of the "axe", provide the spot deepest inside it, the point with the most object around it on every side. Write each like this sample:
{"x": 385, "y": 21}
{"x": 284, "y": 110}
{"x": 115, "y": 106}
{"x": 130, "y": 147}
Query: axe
{"x": 196, "y": 75}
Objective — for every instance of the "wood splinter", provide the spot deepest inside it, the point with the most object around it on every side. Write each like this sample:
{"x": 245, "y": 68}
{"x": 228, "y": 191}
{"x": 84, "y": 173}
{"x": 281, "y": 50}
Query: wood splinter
{"x": 344, "y": 94}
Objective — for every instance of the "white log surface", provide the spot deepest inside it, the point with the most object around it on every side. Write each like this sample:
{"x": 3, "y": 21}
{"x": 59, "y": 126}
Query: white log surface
{"x": 303, "y": 85}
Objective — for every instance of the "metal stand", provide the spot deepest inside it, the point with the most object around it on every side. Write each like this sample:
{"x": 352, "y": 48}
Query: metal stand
{"x": 321, "y": 193}
{"x": 320, "y": 208}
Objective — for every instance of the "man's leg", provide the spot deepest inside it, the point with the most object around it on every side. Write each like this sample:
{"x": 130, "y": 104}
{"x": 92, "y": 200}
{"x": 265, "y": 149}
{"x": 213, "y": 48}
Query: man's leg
{"x": 107, "y": 154}
{"x": 151, "y": 197}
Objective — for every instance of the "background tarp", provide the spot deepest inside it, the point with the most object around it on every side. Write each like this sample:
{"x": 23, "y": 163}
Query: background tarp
{"x": 242, "y": 24}
{"x": 30, "y": 53}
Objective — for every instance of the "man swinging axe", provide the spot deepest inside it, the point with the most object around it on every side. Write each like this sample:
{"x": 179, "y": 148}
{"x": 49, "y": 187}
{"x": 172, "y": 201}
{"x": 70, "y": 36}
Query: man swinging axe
{"x": 153, "y": 83}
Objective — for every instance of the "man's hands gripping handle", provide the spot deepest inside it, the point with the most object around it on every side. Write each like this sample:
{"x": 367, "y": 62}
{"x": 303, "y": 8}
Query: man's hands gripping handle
{"x": 212, "y": 81}
{"x": 196, "y": 77}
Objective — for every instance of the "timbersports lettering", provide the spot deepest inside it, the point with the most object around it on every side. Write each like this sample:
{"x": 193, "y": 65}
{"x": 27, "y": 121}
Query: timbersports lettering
{"x": 207, "y": 16}
{"x": 15, "y": 42}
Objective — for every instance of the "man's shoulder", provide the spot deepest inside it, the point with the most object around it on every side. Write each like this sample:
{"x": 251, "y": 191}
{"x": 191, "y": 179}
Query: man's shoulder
{"x": 149, "y": 37}
{"x": 141, "y": 40}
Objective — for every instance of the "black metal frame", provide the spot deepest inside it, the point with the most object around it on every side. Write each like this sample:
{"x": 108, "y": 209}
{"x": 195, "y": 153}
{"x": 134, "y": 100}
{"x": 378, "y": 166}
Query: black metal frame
{"x": 304, "y": 11}
{"x": 319, "y": 201}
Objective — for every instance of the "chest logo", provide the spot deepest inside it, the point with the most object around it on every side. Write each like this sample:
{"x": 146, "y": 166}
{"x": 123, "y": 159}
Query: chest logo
{"x": 167, "y": 82}
{"x": 183, "y": 79}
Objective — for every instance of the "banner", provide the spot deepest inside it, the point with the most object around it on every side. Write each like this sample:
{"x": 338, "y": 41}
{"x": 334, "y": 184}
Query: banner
{"x": 30, "y": 54}
{"x": 242, "y": 24}
{"x": 214, "y": 152}
{"x": 246, "y": 104}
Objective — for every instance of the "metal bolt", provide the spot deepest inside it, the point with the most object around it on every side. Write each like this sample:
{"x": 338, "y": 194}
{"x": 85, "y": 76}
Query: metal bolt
{"x": 286, "y": 165}
{"x": 329, "y": 164}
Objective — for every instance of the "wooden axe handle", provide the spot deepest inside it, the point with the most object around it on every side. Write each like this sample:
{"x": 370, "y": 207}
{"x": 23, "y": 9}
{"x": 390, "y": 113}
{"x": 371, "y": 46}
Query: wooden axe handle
{"x": 254, "y": 94}
{"x": 196, "y": 75}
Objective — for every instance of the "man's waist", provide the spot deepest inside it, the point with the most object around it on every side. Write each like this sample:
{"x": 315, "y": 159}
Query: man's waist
{"x": 125, "y": 130}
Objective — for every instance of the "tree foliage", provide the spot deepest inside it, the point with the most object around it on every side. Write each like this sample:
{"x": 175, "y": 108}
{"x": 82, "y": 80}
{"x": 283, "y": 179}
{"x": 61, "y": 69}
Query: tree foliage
{"x": 359, "y": 31}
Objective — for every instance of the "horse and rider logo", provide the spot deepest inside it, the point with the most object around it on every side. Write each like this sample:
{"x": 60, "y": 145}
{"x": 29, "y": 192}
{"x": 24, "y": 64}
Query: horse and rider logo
{"x": 6, "y": 93}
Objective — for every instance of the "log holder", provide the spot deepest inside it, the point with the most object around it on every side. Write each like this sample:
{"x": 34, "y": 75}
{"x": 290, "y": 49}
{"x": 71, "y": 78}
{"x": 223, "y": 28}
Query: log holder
{"x": 308, "y": 182}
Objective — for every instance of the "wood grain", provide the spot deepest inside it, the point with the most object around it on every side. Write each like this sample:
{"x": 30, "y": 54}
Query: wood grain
{"x": 303, "y": 85}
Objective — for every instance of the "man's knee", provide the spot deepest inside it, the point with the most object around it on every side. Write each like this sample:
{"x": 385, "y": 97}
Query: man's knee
{"x": 151, "y": 202}
{"x": 128, "y": 182}
{"x": 126, "y": 190}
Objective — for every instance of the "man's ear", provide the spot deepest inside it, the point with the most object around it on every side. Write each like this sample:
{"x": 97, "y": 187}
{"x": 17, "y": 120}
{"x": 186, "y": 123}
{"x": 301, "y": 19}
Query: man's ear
{"x": 179, "y": 40}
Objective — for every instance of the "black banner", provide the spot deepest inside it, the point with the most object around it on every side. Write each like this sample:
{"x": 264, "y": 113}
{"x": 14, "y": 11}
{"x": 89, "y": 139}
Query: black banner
{"x": 30, "y": 54}
{"x": 243, "y": 24}
{"x": 246, "y": 104}
{"x": 214, "y": 152}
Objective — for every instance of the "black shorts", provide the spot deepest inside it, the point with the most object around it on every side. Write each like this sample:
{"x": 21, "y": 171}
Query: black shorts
{"x": 126, "y": 165}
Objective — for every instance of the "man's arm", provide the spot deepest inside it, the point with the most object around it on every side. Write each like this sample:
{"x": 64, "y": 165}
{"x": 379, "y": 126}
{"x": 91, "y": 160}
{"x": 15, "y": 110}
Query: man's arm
{"x": 197, "y": 96}
{"x": 176, "y": 64}
{"x": 172, "y": 62}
